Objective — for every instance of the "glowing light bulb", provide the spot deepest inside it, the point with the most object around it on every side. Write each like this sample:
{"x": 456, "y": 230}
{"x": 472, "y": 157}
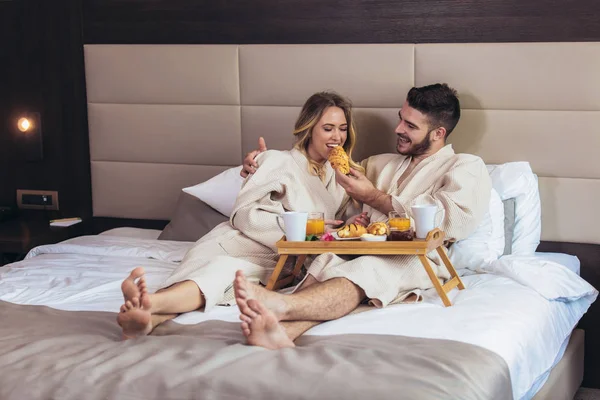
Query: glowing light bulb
{"x": 24, "y": 124}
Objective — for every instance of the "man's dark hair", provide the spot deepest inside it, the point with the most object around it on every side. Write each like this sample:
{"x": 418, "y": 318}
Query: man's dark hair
{"x": 438, "y": 102}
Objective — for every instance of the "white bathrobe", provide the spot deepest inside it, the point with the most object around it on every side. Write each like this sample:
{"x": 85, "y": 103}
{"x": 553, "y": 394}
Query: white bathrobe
{"x": 247, "y": 241}
{"x": 458, "y": 183}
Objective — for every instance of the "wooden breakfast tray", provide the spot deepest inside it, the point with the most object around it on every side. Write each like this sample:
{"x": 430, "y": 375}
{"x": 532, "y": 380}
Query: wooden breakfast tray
{"x": 417, "y": 247}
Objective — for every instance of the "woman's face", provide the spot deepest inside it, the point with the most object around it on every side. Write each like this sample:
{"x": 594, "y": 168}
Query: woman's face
{"x": 329, "y": 132}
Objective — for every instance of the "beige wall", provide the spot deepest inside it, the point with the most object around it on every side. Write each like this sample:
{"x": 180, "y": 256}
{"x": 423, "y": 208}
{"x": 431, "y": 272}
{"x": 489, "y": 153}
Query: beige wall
{"x": 167, "y": 116}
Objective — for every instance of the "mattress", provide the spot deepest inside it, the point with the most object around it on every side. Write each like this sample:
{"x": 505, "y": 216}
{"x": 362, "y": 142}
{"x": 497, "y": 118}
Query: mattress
{"x": 521, "y": 309}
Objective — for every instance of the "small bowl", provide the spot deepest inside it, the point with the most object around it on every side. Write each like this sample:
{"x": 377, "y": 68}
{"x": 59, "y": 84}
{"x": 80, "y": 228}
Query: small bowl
{"x": 367, "y": 237}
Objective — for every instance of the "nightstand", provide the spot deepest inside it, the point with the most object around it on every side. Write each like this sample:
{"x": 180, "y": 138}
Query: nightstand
{"x": 21, "y": 234}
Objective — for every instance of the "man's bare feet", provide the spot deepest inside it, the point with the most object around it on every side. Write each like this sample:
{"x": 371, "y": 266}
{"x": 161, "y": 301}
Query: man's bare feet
{"x": 245, "y": 291}
{"x": 261, "y": 327}
{"x": 132, "y": 289}
{"x": 135, "y": 319}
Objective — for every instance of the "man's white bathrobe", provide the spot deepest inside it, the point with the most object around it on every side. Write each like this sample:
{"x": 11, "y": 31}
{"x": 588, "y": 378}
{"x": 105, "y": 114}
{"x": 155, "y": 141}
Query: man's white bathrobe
{"x": 457, "y": 183}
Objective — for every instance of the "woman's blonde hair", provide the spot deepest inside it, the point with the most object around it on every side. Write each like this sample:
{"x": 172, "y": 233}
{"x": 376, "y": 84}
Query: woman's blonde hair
{"x": 311, "y": 113}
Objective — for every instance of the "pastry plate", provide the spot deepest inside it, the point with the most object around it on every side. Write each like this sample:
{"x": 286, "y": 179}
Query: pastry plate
{"x": 336, "y": 237}
{"x": 373, "y": 238}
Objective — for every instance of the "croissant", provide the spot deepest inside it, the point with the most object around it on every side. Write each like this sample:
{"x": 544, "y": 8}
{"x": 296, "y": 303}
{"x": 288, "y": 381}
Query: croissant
{"x": 351, "y": 231}
{"x": 339, "y": 160}
{"x": 378, "y": 228}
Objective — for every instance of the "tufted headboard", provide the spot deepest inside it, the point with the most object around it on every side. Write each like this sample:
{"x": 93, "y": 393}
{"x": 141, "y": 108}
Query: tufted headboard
{"x": 162, "y": 117}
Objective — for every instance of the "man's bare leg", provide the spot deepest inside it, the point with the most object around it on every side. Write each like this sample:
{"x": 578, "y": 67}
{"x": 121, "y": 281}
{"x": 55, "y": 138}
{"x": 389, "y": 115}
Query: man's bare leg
{"x": 140, "y": 315}
{"x": 321, "y": 301}
{"x": 302, "y": 310}
{"x": 293, "y": 329}
{"x": 310, "y": 280}
{"x": 261, "y": 327}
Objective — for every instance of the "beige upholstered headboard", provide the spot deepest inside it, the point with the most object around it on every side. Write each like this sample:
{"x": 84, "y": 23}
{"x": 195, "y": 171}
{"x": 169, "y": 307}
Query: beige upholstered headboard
{"x": 162, "y": 117}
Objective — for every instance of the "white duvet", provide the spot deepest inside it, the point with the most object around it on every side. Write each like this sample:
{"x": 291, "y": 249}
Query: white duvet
{"x": 522, "y": 308}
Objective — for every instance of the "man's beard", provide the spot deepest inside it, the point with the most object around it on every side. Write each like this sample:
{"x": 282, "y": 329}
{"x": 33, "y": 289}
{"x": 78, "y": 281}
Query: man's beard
{"x": 420, "y": 148}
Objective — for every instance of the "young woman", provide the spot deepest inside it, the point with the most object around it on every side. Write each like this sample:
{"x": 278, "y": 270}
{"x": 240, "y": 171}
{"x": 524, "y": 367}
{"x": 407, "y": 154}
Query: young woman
{"x": 297, "y": 180}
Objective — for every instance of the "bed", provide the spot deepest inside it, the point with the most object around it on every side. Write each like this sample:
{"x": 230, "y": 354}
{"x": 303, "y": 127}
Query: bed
{"x": 63, "y": 341}
{"x": 163, "y": 118}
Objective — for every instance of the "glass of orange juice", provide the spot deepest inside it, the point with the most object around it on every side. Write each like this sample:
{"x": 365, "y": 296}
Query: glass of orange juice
{"x": 399, "y": 227}
{"x": 315, "y": 224}
{"x": 399, "y": 220}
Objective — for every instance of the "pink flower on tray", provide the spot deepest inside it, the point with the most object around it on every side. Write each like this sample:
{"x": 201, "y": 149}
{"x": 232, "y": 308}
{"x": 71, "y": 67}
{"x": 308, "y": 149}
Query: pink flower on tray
{"x": 327, "y": 237}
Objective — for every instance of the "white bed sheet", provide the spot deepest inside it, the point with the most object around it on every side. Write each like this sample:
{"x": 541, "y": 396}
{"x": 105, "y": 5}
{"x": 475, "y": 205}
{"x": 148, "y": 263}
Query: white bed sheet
{"x": 496, "y": 312}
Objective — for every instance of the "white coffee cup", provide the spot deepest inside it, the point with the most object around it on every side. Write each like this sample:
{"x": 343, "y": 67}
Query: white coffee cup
{"x": 424, "y": 216}
{"x": 294, "y": 225}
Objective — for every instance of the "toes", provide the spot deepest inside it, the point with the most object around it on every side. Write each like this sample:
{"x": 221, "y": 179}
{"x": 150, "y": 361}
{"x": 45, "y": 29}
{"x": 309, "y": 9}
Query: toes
{"x": 136, "y": 302}
{"x": 123, "y": 308}
{"x": 245, "y": 329}
{"x": 128, "y": 305}
{"x": 238, "y": 282}
{"x": 248, "y": 312}
{"x": 137, "y": 272}
{"x": 245, "y": 318}
{"x": 242, "y": 294}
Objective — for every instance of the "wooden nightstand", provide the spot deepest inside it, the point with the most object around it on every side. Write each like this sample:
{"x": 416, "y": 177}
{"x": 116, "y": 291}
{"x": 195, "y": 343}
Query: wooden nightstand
{"x": 21, "y": 234}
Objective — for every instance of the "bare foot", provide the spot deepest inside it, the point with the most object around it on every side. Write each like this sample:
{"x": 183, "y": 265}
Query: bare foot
{"x": 135, "y": 320}
{"x": 261, "y": 327}
{"x": 130, "y": 287}
{"x": 245, "y": 291}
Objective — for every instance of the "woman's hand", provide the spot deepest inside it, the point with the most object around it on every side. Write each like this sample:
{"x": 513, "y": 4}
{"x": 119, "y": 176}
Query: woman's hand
{"x": 249, "y": 165}
{"x": 360, "y": 219}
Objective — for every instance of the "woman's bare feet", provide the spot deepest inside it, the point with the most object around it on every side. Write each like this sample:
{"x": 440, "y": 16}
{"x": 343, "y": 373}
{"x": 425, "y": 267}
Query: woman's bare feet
{"x": 135, "y": 319}
{"x": 132, "y": 289}
{"x": 261, "y": 327}
{"x": 244, "y": 291}
{"x": 134, "y": 316}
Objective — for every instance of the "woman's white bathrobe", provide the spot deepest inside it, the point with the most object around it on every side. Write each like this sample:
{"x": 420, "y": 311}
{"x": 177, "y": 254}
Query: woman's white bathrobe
{"x": 457, "y": 183}
{"x": 247, "y": 241}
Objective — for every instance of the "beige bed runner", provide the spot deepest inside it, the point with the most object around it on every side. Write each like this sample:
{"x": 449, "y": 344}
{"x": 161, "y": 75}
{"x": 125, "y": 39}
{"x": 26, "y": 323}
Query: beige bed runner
{"x": 47, "y": 353}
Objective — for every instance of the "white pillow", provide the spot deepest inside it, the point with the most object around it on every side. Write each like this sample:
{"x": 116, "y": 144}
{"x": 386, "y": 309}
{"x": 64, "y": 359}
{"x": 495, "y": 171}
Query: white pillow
{"x": 219, "y": 192}
{"x": 551, "y": 280}
{"x": 134, "y": 233}
{"x": 517, "y": 180}
{"x": 486, "y": 244}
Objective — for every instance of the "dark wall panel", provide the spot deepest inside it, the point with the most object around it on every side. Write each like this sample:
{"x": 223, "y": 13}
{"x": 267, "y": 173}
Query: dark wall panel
{"x": 7, "y": 49}
{"x": 43, "y": 73}
{"x": 347, "y": 21}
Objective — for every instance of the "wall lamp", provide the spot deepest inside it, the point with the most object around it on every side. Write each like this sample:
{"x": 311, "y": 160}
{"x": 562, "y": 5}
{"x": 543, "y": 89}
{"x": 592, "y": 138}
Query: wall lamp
{"x": 29, "y": 136}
